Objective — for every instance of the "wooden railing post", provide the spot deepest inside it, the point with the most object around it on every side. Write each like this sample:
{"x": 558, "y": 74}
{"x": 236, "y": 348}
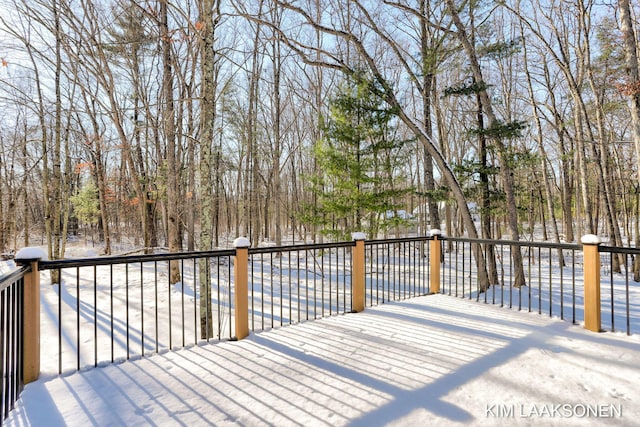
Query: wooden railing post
{"x": 591, "y": 254}
{"x": 31, "y": 360}
{"x": 435, "y": 253}
{"x": 358, "y": 273}
{"x": 241, "y": 274}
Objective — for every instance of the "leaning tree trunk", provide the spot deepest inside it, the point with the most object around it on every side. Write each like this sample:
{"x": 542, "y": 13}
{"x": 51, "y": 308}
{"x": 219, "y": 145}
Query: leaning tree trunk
{"x": 505, "y": 170}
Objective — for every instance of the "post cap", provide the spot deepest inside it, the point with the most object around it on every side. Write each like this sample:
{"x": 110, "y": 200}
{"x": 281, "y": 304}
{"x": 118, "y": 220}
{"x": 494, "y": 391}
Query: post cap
{"x": 241, "y": 242}
{"x": 358, "y": 235}
{"x": 590, "y": 239}
{"x": 30, "y": 254}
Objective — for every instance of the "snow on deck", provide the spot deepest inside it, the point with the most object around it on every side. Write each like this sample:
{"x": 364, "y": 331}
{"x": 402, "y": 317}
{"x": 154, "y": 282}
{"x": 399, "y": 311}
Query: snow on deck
{"x": 434, "y": 360}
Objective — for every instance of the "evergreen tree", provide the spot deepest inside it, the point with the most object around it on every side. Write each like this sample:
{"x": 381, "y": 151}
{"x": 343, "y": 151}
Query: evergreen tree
{"x": 360, "y": 187}
{"x": 86, "y": 205}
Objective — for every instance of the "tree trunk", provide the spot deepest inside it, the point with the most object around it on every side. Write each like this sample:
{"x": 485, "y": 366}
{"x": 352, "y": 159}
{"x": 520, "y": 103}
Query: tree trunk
{"x": 209, "y": 17}
{"x": 485, "y": 206}
{"x": 276, "y": 195}
{"x": 429, "y": 63}
{"x": 632, "y": 89}
{"x": 172, "y": 170}
{"x": 505, "y": 170}
{"x": 544, "y": 159}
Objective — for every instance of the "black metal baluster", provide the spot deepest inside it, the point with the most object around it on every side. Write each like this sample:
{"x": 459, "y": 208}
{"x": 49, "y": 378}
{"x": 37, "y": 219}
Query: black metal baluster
{"x": 561, "y": 286}
{"x": 195, "y": 301}
{"x": 155, "y": 295}
{"x": 539, "y": 282}
{"x": 298, "y": 280}
{"x": 181, "y": 299}
{"x": 170, "y": 305}
{"x": 111, "y": 311}
{"x": 142, "y": 308}
{"x": 77, "y": 317}
{"x": 611, "y": 255}
{"x": 95, "y": 317}
{"x": 573, "y": 287}
{"x": 306, "y": 280}
{"x": 262, "y": 289}
{"x": 271, "y": 288}
{"x": 550, "y": 286}
{"x": 281, "y": 290}
{"x": 229, "y": 293}
{"x": 626, "y": 285}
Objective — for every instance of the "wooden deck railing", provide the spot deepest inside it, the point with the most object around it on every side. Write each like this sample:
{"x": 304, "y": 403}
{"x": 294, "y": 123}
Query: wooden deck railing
{"x": 271, "y": 286}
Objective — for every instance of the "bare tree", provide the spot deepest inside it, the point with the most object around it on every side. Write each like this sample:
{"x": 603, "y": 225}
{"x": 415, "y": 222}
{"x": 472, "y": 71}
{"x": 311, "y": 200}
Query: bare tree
{"x": 209, "y": 19}
{"x": 275, "y": 187}
{"x": 169, "y": 128}
{"x": 493, "y": 125}
{"x": 46, "y": 22}
{"x": 544, "y": 157}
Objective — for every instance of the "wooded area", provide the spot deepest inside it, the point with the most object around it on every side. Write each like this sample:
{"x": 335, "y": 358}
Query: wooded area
{"x": 177, "y": 124}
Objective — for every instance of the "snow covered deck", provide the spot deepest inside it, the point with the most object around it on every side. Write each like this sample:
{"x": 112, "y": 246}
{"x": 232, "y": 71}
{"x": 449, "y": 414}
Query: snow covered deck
{"x": 434, "y": 360}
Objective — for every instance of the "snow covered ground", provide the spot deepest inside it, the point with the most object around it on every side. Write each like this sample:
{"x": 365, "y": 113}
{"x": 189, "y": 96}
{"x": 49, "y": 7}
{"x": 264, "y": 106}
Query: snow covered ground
{"x": 433, "y": 360}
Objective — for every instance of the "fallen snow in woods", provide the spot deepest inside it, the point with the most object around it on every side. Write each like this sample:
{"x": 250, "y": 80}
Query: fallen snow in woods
{"x": 433, "y": 360}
